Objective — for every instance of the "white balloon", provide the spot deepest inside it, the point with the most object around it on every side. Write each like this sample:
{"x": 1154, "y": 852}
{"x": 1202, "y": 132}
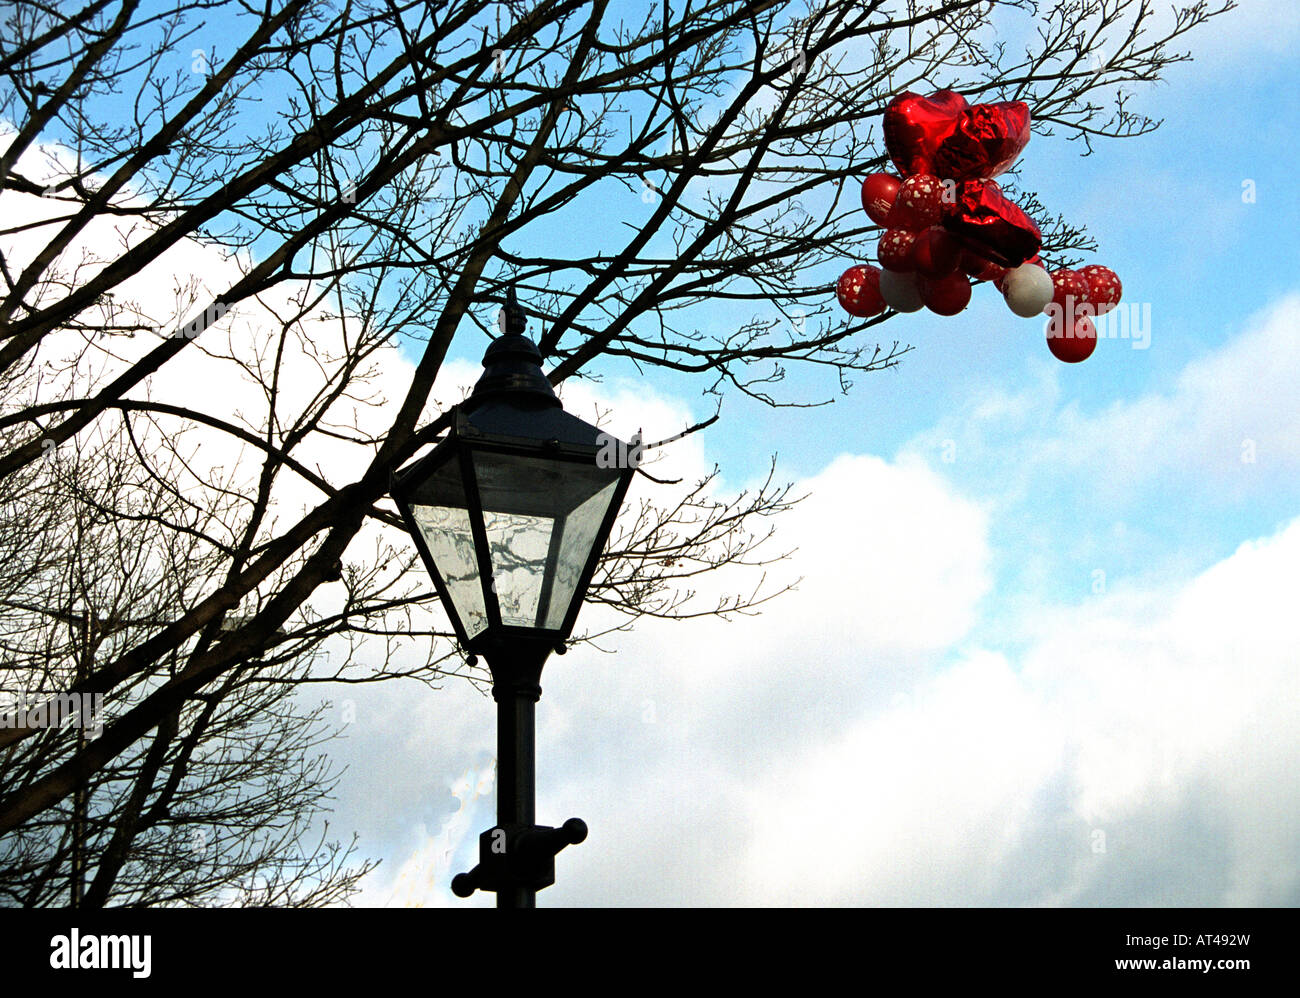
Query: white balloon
{"x": 1028, "y": 290}
{"x": 899, "y": 291}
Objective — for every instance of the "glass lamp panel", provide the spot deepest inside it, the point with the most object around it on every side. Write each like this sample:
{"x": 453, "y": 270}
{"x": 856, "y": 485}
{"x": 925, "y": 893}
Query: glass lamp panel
{"x": 440, "y": 510}
{"x": 541, "y": 517}
{"x": 577, "y": 538}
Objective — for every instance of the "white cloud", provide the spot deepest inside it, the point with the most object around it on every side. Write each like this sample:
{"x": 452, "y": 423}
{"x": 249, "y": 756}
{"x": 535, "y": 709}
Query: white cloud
{"x": 1227, "y": 428}
{"x": 1243, "y": 392}
{"x": 1247, "y": 37}
{"x": 916, "y": 805}
{"x": 1126, "y": 757}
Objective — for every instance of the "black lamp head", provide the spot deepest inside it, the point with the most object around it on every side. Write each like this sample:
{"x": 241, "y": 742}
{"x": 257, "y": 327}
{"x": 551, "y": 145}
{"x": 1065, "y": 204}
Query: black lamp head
{"x": 513, "y": 365}
{"x": 512, "y": 509}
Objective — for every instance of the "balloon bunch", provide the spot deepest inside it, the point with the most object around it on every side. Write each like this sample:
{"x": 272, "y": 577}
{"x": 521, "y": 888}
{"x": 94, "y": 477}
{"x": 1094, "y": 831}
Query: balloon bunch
{"x": 947, "y": 222}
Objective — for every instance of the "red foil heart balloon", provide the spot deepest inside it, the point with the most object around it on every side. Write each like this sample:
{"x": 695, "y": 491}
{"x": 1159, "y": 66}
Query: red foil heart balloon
{"x": 916, "y": 126}
{"x": 985, "y": 221}
{"x": 985, "y": 141}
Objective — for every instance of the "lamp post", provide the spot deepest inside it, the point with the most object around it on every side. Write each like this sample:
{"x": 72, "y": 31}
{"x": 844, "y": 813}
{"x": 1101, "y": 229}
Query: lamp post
{"x": 510, "y": 512}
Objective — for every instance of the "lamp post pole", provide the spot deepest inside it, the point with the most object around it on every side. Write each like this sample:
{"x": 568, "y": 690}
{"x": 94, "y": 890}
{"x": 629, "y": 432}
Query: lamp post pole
{"x": 516, "y": 694}
{"x": 516, "y": 773}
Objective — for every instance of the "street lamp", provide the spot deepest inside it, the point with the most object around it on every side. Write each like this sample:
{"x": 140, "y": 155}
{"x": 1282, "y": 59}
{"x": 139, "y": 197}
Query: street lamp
{"x": 510, "y": 512}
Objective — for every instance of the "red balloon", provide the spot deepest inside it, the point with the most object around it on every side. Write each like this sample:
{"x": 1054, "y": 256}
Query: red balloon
{"x": 915, "y": 126}
{"x": 878, "y": 193}
{"x": 935, "y": 253}
{"x": 945, "y": 295}
{"x": 1076, "y": 344}
{"x": 858, "y": 291}
{"x": 977, "y": 267}
{"x": 1068, "y": 289}
{"x": 984, "y": 142}
{"x": 944, "y": 135}
{"x": 894, "y": 251}
{"x": 984, "y": 220}
{"x": 919, "y": 204}
{"x": 1104, "y": 289}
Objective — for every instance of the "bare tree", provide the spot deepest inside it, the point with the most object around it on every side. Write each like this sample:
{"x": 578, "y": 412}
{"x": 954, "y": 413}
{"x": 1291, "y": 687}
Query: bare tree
{"x": 217, "y": 804}
{"x": 379, "y": 171}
